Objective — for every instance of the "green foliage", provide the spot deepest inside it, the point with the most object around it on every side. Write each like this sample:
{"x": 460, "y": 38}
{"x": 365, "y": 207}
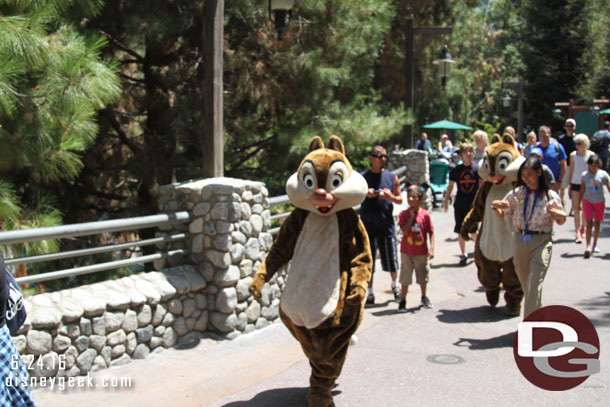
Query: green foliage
{"x": 53, "y": 80}
{"x": 318, "y": 81}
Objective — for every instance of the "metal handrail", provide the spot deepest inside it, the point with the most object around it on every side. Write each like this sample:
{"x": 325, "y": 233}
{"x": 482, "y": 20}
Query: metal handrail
{"x": 93, "y": 228}
{"x": 94, "y": 250}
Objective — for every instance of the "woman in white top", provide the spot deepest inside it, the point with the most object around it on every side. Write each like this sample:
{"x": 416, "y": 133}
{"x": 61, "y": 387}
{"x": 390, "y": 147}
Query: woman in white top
{"x": 533, "y": 208}
{"x": 578, "y": 165}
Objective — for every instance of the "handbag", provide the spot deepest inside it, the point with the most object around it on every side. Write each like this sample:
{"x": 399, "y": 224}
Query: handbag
{"x": 15, "y": 309}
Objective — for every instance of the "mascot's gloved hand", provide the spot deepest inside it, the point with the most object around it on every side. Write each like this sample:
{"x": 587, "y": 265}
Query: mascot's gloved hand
{"x": 355, "y": 296}
{"x": 256, "y": 286}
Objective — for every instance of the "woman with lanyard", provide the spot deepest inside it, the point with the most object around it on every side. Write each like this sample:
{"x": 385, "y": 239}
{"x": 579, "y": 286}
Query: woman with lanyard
{"x": 532, "y": 207}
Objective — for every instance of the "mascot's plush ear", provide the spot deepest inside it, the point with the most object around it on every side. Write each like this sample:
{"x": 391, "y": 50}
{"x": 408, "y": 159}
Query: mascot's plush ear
{"x": 496, "y": 138}
{"x": 335, "y": 143}
{"x": 316, "y": 143}
{"x": 508, "y": 139}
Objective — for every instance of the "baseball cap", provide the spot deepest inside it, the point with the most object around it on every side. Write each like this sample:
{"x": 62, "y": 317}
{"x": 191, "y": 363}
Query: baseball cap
{"x": 537, "y": 151}
{"x": 572, "y": 121}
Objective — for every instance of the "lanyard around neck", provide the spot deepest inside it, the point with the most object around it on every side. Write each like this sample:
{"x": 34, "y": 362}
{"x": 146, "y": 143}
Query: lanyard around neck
{"x": 525, "y": 218}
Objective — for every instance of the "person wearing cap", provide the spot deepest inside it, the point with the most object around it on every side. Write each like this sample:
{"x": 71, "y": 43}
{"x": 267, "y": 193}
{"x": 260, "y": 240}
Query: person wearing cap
{"x": 553, "y": 155}
{"x": 545, "y": 168}
{"x": 567, "y": 141}
{"x": 445, "y": 144}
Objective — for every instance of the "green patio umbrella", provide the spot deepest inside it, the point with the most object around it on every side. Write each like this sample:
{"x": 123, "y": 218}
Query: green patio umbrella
{"x": 446, "y": 125}
{"x": 606, "y": 111}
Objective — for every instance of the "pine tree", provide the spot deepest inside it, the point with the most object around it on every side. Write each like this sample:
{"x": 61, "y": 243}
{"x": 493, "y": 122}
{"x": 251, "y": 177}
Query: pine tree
{"x": 52, "y": 83}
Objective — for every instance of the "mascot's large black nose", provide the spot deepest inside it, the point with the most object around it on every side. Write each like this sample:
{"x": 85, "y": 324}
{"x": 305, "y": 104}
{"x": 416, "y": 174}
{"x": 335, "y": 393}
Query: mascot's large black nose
{"x": 492, "y": 174}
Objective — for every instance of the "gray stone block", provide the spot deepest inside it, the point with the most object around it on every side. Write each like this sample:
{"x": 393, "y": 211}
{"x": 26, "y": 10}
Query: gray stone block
{"x": 144, "y": 334}
{"x": 226, "y": 300}
{"x": 144, "y": 315}
{"x": 38, "y": 342}
{"x": 223, "y": 322}
{"x": 130, "y": 321}
{"x": 85, "y": 360}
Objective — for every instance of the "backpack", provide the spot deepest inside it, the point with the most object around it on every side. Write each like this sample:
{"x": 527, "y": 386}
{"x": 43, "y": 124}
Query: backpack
{"x": 15, "y": 310}
{"x": 597, "y": 141}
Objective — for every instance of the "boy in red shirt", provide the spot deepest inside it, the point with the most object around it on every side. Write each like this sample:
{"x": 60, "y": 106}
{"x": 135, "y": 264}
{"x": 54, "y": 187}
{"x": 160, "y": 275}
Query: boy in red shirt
{"x": 416, "y": 226}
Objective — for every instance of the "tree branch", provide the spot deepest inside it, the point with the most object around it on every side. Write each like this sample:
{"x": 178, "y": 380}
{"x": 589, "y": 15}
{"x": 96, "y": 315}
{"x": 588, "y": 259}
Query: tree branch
{"x": 120, "y": 45}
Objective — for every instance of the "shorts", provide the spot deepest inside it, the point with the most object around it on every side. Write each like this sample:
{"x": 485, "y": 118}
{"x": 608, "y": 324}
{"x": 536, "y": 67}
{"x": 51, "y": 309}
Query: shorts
{"x": 460, "y": 210}
{"x": 417, "y": 263}
{"x": 575, "y": 187}
{"x": 593, "y": 211}
{"x": 387, "y": 252}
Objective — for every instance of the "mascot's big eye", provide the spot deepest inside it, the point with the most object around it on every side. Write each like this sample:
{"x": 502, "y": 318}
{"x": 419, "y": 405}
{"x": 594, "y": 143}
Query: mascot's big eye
{"x": 503, "y": 163}
{"x": 308, "y": 180}
{"x": 336, "y": 175}
{"x": 307, "y": 176}
{"x": 337, "y": 180}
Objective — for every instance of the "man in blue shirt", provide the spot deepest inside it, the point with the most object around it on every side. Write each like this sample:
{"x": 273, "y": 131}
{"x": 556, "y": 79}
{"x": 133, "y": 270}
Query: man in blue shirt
{"x": 554, "y": 156}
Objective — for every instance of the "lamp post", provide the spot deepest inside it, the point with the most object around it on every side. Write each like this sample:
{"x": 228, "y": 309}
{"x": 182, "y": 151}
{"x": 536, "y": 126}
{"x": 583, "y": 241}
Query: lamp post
{"x": 444, "y": 62}
{"x": 518, "y": 86}
{"x": 279, "y": 11}
{"x": 410, "y": 32}
{"x": 212, "y": 129}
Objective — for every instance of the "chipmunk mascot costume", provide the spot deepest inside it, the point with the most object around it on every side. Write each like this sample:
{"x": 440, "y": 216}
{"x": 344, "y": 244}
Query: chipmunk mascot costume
{"x": 330, "y": 262}
{"x": 494, "y": 248}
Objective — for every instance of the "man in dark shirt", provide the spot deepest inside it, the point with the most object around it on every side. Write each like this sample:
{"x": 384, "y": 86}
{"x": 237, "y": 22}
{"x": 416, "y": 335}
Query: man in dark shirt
{"x": 423, "y": 143}
{"x": 376, "y": 213}
{"x": 567, "y": 141}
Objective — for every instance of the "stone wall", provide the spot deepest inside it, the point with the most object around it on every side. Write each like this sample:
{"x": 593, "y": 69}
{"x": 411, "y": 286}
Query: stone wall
{"x": 73, "y": 332}
{"x": 418, "y": 168}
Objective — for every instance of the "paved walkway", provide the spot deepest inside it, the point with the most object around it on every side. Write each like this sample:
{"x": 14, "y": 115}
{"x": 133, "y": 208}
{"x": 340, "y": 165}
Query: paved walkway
{"x": 459, "y": 353}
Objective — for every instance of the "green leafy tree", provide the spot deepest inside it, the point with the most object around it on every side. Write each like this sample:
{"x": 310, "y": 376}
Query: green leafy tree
{"x": 52, "y": 83}
{"x": 553, "y": 41}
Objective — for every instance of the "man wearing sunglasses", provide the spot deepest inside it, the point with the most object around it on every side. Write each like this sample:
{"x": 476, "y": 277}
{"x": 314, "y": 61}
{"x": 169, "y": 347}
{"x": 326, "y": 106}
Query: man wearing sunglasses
{"x": 376, "y": 213}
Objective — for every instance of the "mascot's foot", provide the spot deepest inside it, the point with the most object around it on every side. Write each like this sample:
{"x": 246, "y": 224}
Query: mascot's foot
{"x": 512, "y": 309}
{"x": 319, "y": 400}
{"x": 493, "y": 296}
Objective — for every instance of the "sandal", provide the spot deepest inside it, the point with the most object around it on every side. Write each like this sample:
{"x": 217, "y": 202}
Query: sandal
{"x": 578, "y": 240}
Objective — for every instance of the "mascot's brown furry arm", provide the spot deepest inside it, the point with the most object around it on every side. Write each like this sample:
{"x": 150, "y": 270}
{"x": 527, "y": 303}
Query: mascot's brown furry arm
{"x": 330, "y": 262}
{"x": 494, "y": 248}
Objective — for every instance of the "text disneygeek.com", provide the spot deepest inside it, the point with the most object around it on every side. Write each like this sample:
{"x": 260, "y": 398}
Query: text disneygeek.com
{"x": 70, "y": 383}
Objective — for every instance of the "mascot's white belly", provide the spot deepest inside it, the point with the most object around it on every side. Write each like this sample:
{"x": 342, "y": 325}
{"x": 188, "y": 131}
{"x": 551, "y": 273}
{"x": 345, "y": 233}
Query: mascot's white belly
{"x": 312, "y": 286}
{"x": 496, "y": 241}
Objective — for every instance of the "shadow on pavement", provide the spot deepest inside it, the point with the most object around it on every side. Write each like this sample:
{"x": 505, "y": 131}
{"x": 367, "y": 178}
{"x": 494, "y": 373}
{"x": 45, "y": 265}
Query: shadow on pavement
{"x": 289, "y": 397}
{"x": 483, "y": 313}
{"x": 559, "y": 241}
{"x": 504, "y": 341}
{"x": 600, "y": 305}
{"x": 449, "y": 265}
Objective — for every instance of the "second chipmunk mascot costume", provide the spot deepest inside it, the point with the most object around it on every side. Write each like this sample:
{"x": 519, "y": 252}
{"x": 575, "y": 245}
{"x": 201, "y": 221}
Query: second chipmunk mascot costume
{"x": 494, "y": 248}
{"x": 330, "y": 262}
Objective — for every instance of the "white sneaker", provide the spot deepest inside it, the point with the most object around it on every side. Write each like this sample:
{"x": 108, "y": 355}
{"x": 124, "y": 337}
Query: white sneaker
{"x": 596, "y": 249}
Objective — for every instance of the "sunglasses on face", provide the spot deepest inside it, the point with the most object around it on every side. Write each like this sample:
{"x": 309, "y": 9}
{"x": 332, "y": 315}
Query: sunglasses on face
{"x": 380, "y": 156}
{"x": 578, "y": 144}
